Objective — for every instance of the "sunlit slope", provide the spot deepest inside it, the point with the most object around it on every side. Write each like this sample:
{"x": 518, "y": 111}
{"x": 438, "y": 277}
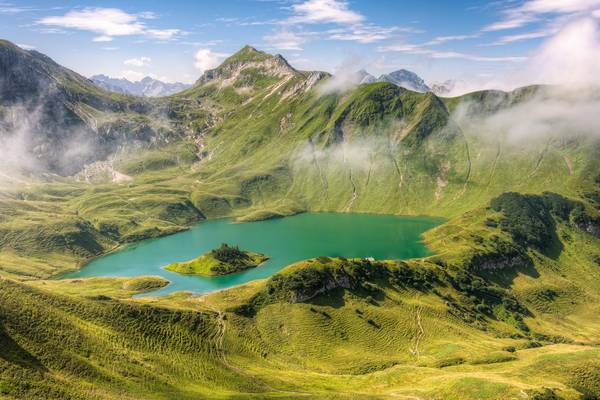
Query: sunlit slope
{"x": 54, "y": 346}
{"x": 263, "y": 140}
{"x": 495, "y": 314}
{"x": 507, "y": 306}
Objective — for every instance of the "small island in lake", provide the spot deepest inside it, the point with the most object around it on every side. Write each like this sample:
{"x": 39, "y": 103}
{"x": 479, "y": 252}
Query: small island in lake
{"x": 221, "y": 261}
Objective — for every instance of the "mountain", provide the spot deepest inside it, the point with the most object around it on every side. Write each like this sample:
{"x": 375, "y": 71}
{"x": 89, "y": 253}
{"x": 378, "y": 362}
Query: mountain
{"x": 365, "y": 77}
{"x": 53, "y": 119}
{"x": 147, "y": 87}
{"x": 505, "y": 307}
{"x": 405, "y": 79}
{"x": 443, "y": 88}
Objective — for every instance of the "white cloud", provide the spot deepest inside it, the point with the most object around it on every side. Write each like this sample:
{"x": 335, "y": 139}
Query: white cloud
{"x": 138, "y": 62}
{"x": 520, "y": 37}
{"x": 11, "y": 9}
{"x": 345, "y": 76}
{"x": 101, "y": 39}
{"x": 163, "y": 34}
{"x": 108, "y": 23}
{"x": 26, "y": 46}
{"x": 422, "y": 50}
{"x": 445, "y": 39}
{"x": 324, "y": 11}
{"x": 285, "y": 40}
{"x": 532, "y": 10}
{"x": 352, "y": 25}
{"x": 569, "y": 57}
{"x": 363, "y": 33}
{"x": 205, "y": 59}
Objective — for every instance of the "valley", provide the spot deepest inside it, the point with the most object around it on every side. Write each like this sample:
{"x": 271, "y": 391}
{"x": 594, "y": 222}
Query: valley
{"x": 484, "y": 280}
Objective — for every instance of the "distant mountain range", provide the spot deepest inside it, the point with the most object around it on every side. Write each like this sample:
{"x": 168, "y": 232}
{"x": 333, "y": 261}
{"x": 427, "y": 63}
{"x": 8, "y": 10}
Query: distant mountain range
{"x": 406, "y": 79}
{"x": 147, "y": 87}
{"x": 150, "y": 87}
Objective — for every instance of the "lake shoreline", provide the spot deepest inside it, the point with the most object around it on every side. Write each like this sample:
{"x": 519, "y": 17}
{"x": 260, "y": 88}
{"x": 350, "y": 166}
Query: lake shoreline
{"x": 288, "y": 240}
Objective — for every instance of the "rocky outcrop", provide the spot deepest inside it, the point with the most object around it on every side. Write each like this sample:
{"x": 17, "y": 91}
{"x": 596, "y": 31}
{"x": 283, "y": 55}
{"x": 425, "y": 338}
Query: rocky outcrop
{"x": 497, "y": 261}
{"x": 329, "y": 282}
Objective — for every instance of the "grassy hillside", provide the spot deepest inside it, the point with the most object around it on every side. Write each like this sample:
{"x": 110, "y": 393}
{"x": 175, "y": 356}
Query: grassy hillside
{"x": 505, "y": 309}
{"x": 493, "y": 315}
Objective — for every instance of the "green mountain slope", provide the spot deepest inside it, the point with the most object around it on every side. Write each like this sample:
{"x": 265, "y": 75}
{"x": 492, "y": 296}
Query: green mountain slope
{"x": 263, "y": 139}
{"x": 506, "y": 308}
{"x": 494, "y": 315}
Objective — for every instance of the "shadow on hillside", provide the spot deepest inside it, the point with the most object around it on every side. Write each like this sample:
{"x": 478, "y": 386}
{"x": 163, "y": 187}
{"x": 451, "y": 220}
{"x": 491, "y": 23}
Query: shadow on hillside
{"x": 504, "y": 277}
{"x": 554, "y": 247}
{"x": 333, "y": 298}
{"x": 13, "y": 353}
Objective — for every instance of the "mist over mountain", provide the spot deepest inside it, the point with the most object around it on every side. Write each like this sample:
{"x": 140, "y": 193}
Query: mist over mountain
{"x": 53, "y": 119}
{"x": 147, "y": 87}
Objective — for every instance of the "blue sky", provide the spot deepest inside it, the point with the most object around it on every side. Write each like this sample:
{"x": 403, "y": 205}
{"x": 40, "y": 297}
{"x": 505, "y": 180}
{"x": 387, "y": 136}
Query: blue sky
{"x": 177, "y": 40}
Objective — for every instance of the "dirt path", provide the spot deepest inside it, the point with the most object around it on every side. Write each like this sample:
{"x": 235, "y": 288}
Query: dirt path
{"x": 354, "y": 192}
{"x": 220, "y": 339}
{"x": 420, "y": 332}
{"x": 468, "y": 177}
{"x": 569, "y": 164}
{"x": 321, "y": 175}
{"x": 494, "y": 164}
{"x": 539, "y": 160}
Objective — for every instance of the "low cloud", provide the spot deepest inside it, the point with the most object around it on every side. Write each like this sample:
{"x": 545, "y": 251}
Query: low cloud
{"x": 345, "y": 76}
{"x": 533, "y": 10}
{"x": 16, "y": 128}
{"x": 360, "y": 154}
{"x": 26, "y": 147}
{"x": 551, "y": 112}
{"x": 206, "y": 59}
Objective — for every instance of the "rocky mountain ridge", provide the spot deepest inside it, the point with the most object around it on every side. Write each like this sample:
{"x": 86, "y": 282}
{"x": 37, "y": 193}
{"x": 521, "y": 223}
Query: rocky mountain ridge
{"x": 146, "y": 87}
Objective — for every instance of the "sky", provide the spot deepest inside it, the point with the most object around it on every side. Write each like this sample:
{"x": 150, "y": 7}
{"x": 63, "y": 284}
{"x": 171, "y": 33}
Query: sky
{"x": 479, "y": 43}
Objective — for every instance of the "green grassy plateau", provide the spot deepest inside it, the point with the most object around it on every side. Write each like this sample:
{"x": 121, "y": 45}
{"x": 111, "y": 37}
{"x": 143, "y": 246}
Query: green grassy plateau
{"x": 507, "y": 308}
{"x": 222, "y": 261}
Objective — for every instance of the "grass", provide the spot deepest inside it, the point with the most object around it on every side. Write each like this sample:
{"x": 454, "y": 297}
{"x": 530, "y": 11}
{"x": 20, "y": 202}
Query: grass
{"x": 122, "y": 288}
{"x": 210, "y": 264}
{"x": 263, "y": 147}
{"x": 326, "y": 328}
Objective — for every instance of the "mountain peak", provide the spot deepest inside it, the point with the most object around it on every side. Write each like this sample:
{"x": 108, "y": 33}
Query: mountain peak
{"x": 246, "y": 57}
{"x": 406, "y": 79}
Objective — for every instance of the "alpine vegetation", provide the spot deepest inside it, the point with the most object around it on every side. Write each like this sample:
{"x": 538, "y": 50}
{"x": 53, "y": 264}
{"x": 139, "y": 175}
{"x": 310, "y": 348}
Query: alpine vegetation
{"x": 278, "y": 227}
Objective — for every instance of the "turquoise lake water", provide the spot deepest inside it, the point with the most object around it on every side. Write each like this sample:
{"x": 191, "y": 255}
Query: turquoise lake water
{"x": 284, "y": 240}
